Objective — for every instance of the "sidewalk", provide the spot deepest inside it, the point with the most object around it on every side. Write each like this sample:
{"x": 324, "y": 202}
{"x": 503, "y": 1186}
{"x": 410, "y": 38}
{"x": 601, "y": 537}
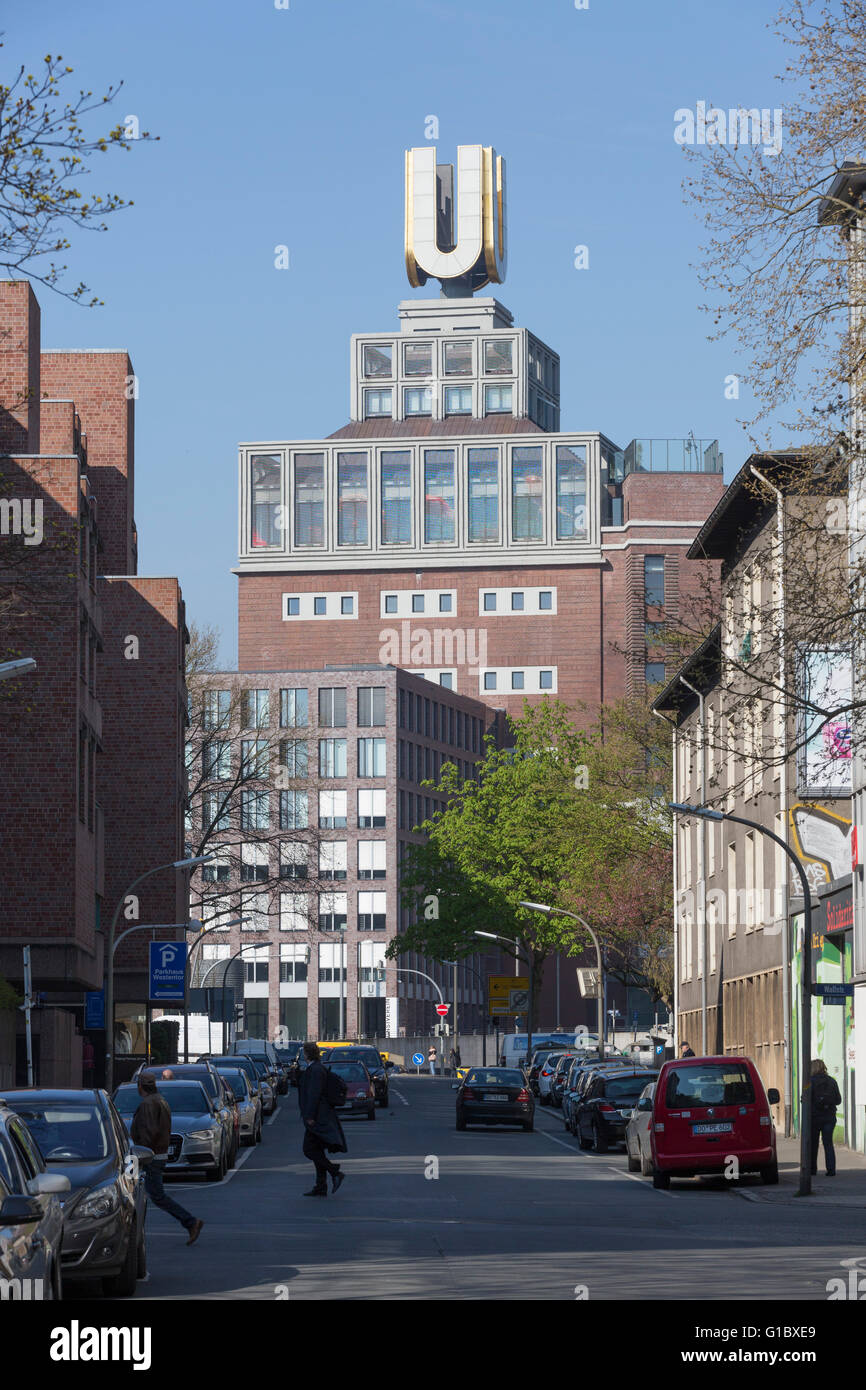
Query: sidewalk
{"x": 846, "y": 1189}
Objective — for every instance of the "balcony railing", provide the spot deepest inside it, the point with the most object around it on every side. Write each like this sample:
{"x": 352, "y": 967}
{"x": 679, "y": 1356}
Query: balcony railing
{"x": 689, "y": 455}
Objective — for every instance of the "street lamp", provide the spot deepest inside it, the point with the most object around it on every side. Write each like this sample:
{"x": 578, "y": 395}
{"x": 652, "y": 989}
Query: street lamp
{"x": 704, "y": 812}
{"x": 110, "y": 949}
{"x": 407, "y": 971}
{"x": 494, "y": 936}
{"x": 220, "y": 926}
{"x": 599, "y": 984}
{"x": 23, "y": 667}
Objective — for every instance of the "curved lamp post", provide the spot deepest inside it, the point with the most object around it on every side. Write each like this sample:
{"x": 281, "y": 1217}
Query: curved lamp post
{"x": 561, "y": 912}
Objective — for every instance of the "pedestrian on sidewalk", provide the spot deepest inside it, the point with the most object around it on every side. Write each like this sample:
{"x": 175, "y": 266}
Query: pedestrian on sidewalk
{"x": 151, "y": 1127}
{"x": 323, "y": 1133}
{"x": 825, "y": 1098}
{"x": 431, "y": 1061}
{"x": 454, "y": 1058}
{"x": 685, "y": 1050}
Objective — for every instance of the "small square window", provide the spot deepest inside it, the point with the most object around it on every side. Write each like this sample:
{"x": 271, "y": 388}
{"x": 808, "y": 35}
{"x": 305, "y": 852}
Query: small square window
{"x": 390, "y": 603}
{"x": 545, "y": 599}
{"x": 417, "y": 603}
{"x": 654, "y": 672}
{"x": 377, "y": 360}
{"x": 320, "y": 606}
{"x": 545, "y": 680}
{"x": 490, "y": 604}
{"x": 347, "y": 603}
{"x": 293, "y": 607}
{"x": 489, "y": 680}
{"x": 446, "y": 680}
{"x": 445, "y": 604}
{"x": 516, "y": 601}
{"x": 516, "y": 680}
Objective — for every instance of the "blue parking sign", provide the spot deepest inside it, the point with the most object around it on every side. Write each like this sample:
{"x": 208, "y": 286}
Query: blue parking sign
{"x": 167, "y": 970}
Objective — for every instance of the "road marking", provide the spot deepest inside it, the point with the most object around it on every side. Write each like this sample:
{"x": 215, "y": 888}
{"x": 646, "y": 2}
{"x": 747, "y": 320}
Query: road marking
{"x": 392, "y": 1091}
{"x": 570, "y": 1147}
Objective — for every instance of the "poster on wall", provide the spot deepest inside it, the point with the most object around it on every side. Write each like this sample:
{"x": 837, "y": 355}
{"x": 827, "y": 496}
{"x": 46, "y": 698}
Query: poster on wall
{"x": 824, "y": 726}
{"x": 130, "y": 1030}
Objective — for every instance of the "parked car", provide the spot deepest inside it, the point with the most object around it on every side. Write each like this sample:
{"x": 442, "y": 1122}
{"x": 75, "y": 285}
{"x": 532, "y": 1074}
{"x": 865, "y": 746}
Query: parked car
{"x": 267, "y": 1084}
{"x": 223, "y": 1104}
{"x": 249, "y": 1105}
{"x": 513, "y": 1052}
{"x": 557, "y": 1081}
{"x": 288, "y": 1058}
{"x": 360, "y": 1092}
{"x": 540, "y": 1071}
{"x": 264, "y": 1051}
{"x": 372, "y": 1060}
{"x": 31, "y": 1218}
{"x": 607, "y": 1105}
{"x": 494, "y": 1096}
{"x": 638, "y": 1133}
{"x": 707, "y": 1110}
{"x": 197, "y": 1142}
{"x": 81, "y": 1137}
{"x": 247, "y": 1066}
{"x": 578, "y": 1080}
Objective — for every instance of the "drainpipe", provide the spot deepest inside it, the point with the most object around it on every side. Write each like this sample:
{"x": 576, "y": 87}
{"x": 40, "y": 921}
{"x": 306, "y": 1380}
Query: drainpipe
{"x": 676, "y": 1027}
{"x": 702, "y": 865}
{"x": 783, "y": 800}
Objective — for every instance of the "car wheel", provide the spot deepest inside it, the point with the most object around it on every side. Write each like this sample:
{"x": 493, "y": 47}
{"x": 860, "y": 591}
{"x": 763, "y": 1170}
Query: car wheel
{"x": 258, "y": 1138}
{"x": 662, "y": 1181}
{"x": 633, "y": 1163}
{"x": 371, "y": 1113}
{"x": 770, "y": 1174}
{"x": 461, "y": 1124}
{"x": 122, "y": 1285}
{"x": 217, "y": 1174}
{"x": 599, "y": 1143}
{"x": 646, "y": 1166}
{"x": 583, "y": 1142}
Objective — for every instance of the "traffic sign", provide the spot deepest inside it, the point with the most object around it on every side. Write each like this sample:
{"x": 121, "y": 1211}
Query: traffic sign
{"x": 417, "y": 1059}
{"x": 833, "y": 993}
{"x": 442, "y": 1009}
{"x": 167, "y": 970}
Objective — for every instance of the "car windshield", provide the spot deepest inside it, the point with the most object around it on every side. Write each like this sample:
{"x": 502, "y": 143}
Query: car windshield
{"x": 63, "y": 1130}
{"x": 238, "y": 1083}
{"x": 350, "y": 1071}
{"x": 709, "y": 1083}
{"x": 627, "y": 1088}
{"x": 188, "y": 1073}
{"x": 498, "y": 1076}
{"x": 184, "y": 1098}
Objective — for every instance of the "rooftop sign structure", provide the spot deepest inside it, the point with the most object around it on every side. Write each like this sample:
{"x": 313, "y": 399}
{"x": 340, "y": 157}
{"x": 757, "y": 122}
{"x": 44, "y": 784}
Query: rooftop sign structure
{"x": 465, "y": 253}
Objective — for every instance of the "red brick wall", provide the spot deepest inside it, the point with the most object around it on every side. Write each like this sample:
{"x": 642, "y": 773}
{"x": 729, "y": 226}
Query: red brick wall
{"x": 19, "y": 368}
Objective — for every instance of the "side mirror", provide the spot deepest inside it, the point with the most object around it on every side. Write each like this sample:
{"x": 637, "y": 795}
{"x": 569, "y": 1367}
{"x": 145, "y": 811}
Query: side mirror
{"x": 20, "y": 1211}
{"x": 45, "y": 1184}
{"x": 142, "y": 1154}
{"x": 773, "y": 1096}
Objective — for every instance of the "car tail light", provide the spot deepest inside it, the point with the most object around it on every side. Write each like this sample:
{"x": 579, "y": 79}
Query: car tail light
{"x": 523, "y": 1095}
{"x": 468, "y": 1094}
{"x": 545, "y": 1072}
{"x": 604, "y": 1106}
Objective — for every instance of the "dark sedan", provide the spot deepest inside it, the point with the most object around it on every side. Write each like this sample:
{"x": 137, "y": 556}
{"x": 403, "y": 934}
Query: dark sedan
{"x": 372, "y": 1060}
{"x": 494, "y": 1096}
{"x": 608, "y": 1102}
{"x": 81, "y": 1137}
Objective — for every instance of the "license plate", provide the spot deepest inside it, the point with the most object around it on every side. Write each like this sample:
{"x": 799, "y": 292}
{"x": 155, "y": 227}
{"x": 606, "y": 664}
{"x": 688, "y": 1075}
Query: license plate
{"x": 723, "y": 1127}
{"x": 495, "y": 1097}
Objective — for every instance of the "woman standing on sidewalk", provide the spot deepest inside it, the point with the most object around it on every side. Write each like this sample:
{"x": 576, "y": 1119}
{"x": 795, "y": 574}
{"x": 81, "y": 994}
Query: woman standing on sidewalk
{"x": 825, "y": 1098}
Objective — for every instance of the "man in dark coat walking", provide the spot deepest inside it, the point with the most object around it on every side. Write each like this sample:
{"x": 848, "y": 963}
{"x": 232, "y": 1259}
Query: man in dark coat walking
{"x": 323, "y": 1133}
{"x": 825, "y": 1098}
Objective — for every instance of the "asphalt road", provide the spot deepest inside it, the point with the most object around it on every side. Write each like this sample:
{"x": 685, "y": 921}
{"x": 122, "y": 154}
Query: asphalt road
{"x": 510, "y": 1215}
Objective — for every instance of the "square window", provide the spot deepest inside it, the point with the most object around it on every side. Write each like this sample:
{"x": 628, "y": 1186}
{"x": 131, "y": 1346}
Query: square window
{"x": 417, "y": 400}
{"x": 445, "y": 603}
{"x": 545, "y": 680}
{"x": 497, "y": 400}
{"x": 516, "y": 680}
{"x": 390, "y": 603}
{"x": 320, "y": 606}
{"x": 489, "y": 603}
{"x": 458, "y": 400}
{"x": 489, "y": 680}
{"x": 446, "y": 679}
{"x": 654, "y": 672}
{"x": 417, "y": 603}
{"x": 293, "y": 607}
{"x": 516, "y": 602}
{"x": 347, "y": 604}
{"x": 377, "y": 404}
{"x": 498, "y": 358}
{"x": 545, "y": 599}
{"x": 418, "y": 359}
{"x": 458, "y": 359}
{"x": 377, "y": 360}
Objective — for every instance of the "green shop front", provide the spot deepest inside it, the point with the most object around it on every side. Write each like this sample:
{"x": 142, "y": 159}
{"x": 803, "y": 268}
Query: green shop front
{"x": 832, "y": 1013}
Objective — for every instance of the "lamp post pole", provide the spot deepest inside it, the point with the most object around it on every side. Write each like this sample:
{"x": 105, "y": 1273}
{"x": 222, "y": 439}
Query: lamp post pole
{"x": 599, "y": 984}
{"x": 407, "y": 971}
{"x": 684, "y": 809}
{"x": 221, "y": 926}
{"x": 479, "y": 976}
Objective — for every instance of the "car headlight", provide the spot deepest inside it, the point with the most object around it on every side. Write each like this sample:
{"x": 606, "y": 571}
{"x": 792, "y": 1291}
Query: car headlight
{"x": 200, "y": 1134}
{"x": 101, "y": 1202}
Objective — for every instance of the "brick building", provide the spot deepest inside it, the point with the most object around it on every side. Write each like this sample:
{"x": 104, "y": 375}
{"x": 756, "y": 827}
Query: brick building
{"x": 92, "y": 741}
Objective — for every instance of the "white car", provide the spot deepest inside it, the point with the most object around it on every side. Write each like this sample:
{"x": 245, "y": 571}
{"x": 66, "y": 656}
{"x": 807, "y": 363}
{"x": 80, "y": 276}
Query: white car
{"x": 31, "y": 1218}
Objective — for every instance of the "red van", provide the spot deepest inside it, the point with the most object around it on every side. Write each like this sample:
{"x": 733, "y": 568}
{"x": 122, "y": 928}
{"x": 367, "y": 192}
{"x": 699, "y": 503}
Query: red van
{"x": 707, "y": 1110}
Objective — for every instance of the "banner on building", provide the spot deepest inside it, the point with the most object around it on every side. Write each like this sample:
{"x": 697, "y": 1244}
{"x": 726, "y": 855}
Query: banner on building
{"x": 824, "y": 725}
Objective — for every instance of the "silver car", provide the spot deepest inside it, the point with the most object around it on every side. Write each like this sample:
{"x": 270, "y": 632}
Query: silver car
{"x": 197, "y": 1141}
{"x": 249, "y": 1105}
{"x": 31, "y": 1220}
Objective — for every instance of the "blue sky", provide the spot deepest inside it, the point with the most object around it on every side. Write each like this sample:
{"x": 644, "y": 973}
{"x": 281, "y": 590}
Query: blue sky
{"x": 289, "y": 126}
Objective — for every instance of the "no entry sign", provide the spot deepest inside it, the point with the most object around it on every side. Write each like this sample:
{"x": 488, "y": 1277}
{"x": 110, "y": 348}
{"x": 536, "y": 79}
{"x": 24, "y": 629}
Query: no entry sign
{"x": 442, "y": 1009}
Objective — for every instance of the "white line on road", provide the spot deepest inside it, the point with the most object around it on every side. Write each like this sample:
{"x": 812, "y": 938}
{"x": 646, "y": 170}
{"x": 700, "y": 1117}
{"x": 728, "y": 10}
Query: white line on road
{"x": 398, "y": 1095}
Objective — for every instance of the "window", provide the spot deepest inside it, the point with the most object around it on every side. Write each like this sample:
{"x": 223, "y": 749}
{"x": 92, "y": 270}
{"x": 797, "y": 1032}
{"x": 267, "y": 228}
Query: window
{"x": 371, "y": 858}
{"x": 395, "y": 471}
{"x": 571, "y": 521}
{"x": 347, "y": 605}
{"x": 439, "y": 495}
{"x": 371, "y": 705}
{"x": 446, "y": 603}
{"x": 446, "y": 680}
{"x": 265, "y": 510}
{"x": 489, "y": 680}
{"x": 255, "y": 709}
{"x": 545, "y": 600}
{"x": 333, "y": 859}
{"x": 545, "y": 680}
{"x": 217, "y": 870}
{"x": 377, "y": 403}
{"x": 516, "y": 601}
{"x": 332, "y": 757}
{"x": 655, "y": 634}
{"x": 293, "y": 811}
{"x": 216, "y": 761}
{"x": 418, "y": 603}
{"x": 351, "y": 499}
{"x": 417, "y": 359}
{"x": 371, "y": 911}
{"x": 293, "y": 606}
{"x": 293, "y": 965}
{"x": 497, "y": 400}
{"x": 333, "y": 910}
{"x": 254, "y": 757}
{"x": 332, "y": 707}
{"x": 371, "y": 807}
{"x": 654, "y": 580}
{"x": 215, "y": 811}
{"x": 498, "y": 358}
{"x": 483, "y": 478}
{"x": 294, "y": 708}
{"x": 457, "y": 359}
{"x": 390, "y": 603}
{"x": 458, "y": 400}
{"x": 293, "y": 860}
{"x": 527, "y": 520}
{"x": 516, "y": 680}
{"x": 320, "y": 606}
{"x": 332, "y": 810}
{"x": 371, "y": 757}
{"x": 654, "y": 672}
{"x": 216, "y": 912}
{"x": 254, "y": 863}
{"x": 489, "y": 603}
{"x": 294, "y": 756}
{"x": 377, "y": 360}
{"x": 255, "y": 810}
{"x": 332, "y": 969}
{"x": 417, "y": 400}
{"x": 309, "y": 499}
{"x": 294, "y": 912}
{"x": 216, "y": 709}
{"x": 255, "y": 908}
